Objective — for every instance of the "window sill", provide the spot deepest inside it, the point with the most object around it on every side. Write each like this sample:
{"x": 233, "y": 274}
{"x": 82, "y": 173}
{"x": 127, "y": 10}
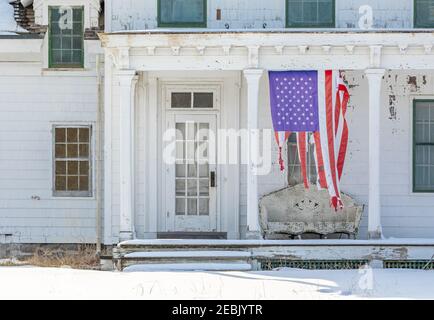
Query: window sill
{"x": 66, "y": 71}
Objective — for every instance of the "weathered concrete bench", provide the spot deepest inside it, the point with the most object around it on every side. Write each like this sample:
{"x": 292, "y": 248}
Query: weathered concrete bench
{"x": 295, "y": 211}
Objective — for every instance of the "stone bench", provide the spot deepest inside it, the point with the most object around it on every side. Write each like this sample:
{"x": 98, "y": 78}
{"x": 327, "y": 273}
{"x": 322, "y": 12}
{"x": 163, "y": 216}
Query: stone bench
{"x": 294, "y": 211}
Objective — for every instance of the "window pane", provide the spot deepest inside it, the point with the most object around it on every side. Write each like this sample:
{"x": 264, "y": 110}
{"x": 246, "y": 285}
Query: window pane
{"x": 72, "y": 151}
{"x": 203, "y": 100}
{"x": 60, "y": 151}
{"x": 72, "y": 168}
{"x": 84, "y": 167}
{"x": 182, "y": 12}
{"x": 310, "y": 13}
{"x": 60, "y": 167}
{"x": 72, "y": 135}
{"x": 60, "y": 135}
{"x": 60, "y": 183}
{"x": 84, "y": 150}
{"x": 424, "y": 13}
{"x": 72, "y": 183}
{"x": 84, "y": 183}
{"x": 294, "y": 169}
{"x": 181, "y": 100}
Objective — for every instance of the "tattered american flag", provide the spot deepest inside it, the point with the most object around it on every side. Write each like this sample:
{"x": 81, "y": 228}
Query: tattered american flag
{"x": 313, "y": 105}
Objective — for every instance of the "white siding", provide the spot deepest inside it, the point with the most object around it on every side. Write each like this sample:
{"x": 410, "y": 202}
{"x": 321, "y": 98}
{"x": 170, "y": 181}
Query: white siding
{"x": 32, "y": 100}
{"x": 253, "y": 14}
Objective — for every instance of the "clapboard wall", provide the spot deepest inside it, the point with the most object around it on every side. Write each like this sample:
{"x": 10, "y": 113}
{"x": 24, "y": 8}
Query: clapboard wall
{"x": 258, "y": 14}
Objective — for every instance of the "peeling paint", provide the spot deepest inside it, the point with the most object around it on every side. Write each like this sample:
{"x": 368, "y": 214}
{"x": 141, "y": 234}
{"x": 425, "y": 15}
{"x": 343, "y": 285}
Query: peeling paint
{"x": 392, "y": 107}
{"x": 412, "y": 81}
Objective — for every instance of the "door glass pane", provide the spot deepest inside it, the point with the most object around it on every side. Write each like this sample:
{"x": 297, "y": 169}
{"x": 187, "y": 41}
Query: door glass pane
{"x": 181, "y": 100}
{"x": 180, "y": 170}
{"x": 203, "y": 171}
{"x": 192, "y": 207}
{"x": 203, "y": 133}
{"x": 192, "y": 187}
{"x": 180, "y": 131}
{"x": 203, "y": 100}
{"x": 180, "y": 206}
{"x": 180, "y": 187}
{"x": 204, "y": 207}
{"x": 204, "y": 187}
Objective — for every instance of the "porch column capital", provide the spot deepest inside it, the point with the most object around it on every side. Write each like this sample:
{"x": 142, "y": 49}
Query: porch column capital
{"x": 253, "y": 77}
{"x": 375, "y": 77}
{"x": 127, "y": 88}
{"x": 375, "y": 73}
{"x": 253, "y": 74}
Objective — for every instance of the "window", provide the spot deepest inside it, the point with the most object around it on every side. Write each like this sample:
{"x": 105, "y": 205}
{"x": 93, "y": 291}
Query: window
{"x": 195, "y": 100}
{"x": 294, "y": 168}
{"x": 182, "y": 13}
{"x": 423, "y": 146}
{"x": 66, "y": 37}
{"x": 424, "y": 13}
{"x": 72, "y": 161}
{"x": 310, "y": 13}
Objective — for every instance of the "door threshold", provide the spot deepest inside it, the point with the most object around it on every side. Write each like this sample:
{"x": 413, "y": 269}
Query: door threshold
{"x": 193, "y": 235}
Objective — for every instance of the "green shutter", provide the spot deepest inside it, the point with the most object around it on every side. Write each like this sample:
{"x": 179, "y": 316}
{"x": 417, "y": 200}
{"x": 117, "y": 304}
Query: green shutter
{"x": 66, "y": 45}
{"x": 423, "y": 146}
{"x": 310, "y": 13}
{"x": 182, "y": 13}
{"x": 424, "y": 13}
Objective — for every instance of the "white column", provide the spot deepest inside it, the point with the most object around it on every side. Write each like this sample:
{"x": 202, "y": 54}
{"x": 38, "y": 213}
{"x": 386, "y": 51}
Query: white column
{"x": 374, "y": 77}
{"x": 253, "y": 77}
{"x": 127, "y": 85}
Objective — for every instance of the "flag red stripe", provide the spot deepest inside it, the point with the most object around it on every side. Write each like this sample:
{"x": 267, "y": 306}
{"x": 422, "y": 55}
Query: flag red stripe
{"x": 330, "y": 131}
{"x": 344, "y": 140}
{"x": 301, "y": 141}
{"x": 320, "y": 161}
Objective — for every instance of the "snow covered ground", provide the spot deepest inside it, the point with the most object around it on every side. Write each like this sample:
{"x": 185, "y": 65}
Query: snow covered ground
{"x": 46, "y": 283}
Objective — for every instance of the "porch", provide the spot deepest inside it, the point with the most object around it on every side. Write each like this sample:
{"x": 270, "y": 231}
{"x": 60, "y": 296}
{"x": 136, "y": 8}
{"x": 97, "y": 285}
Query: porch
{"x": 242, "y": 255}
{"x": 134, "y": 59}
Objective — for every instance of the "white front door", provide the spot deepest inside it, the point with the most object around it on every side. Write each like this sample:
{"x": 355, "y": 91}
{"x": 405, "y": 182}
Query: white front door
{"x": 191, "y": 183}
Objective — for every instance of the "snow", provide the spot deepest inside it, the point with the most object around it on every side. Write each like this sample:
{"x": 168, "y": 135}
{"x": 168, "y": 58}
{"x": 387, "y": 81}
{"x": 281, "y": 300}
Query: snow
{"x": 324, "y": 242}
{"x": 190, "y": 254}
{"x": 189, "y": 267}
{"x": 47, "y": 283}
{"x": 8, "y": 25}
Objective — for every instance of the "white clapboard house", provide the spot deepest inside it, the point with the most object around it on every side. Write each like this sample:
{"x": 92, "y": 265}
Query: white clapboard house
{"x": 90, "y": 91}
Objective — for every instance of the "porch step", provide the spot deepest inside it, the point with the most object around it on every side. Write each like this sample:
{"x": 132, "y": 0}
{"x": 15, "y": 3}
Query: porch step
{"x": 192, "y": 235}
{"x": 189, "y": 267}
{"x": 212, "y": 260}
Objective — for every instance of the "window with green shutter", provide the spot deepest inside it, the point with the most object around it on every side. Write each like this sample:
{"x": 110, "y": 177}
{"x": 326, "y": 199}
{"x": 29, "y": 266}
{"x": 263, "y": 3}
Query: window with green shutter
{"x": 66, "y": 37}
{"x": 310, "y": 13}
{"x": 182, "y": 13}
{"x": 423, "y": 146}
{"x": 424, "y": 13}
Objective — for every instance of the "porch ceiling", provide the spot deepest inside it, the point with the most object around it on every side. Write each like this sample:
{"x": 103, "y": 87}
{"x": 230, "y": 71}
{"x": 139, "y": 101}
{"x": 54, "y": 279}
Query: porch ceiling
{"x": 272, "y": 50}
